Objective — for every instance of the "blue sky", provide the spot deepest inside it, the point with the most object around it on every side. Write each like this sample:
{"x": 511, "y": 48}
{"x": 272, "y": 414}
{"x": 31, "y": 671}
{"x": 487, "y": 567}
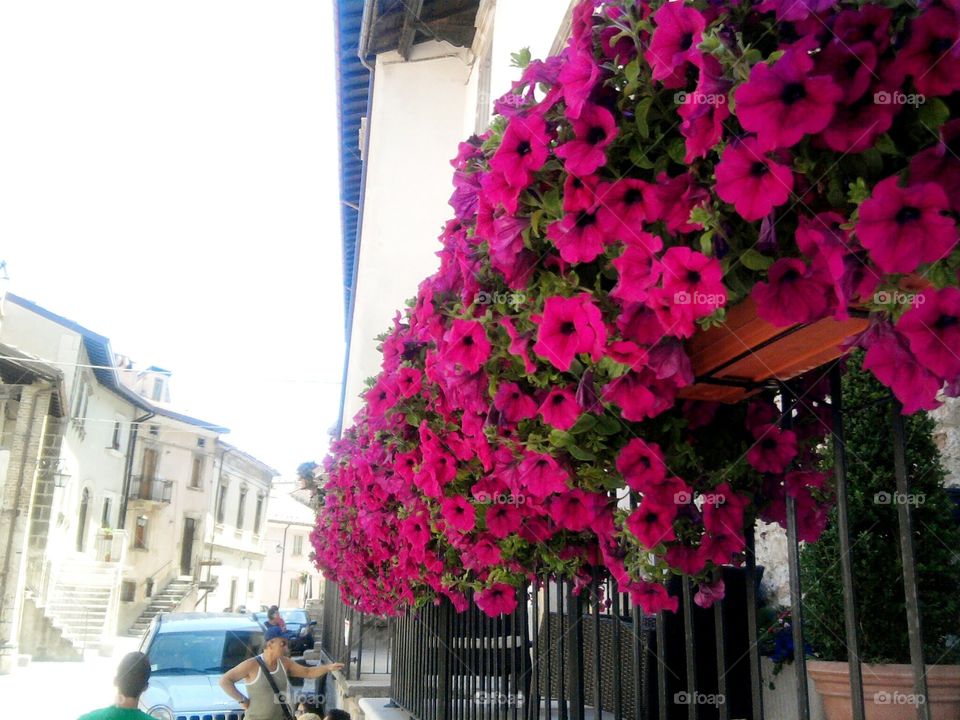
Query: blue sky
{"x": 168, "y": 177}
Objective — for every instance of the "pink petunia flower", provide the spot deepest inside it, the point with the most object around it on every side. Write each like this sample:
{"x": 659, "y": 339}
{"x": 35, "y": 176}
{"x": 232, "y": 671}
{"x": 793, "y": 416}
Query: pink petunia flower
{"x": 578, "y": 235}
{"x": 652, "y": 523}
{"x": 791, "y": 294}
{"x": 458, "y": 513}
{"x": 466, "y": 344}
{"x": 652, "y": 597}
{"x": 641, "y": 464}
{"x": 570, "y": 326}
{"x": 673, "y": 46}
{"x": 560, "y": 409}
{"x": 499, "y": 599}
{"x": 932, "y": 56}
{"x": 889, "y": 358}
{"x": 709, "y": 593}
{"x": 941, "y": 164}
{"x": 785, "y": 101}
{"x": 639, "y": 395}
{"x": 514, "y": 404}
{"x": 694, "y": 280}
{"x": 502, "y": 519}
{"x": 750, "y": 181}
{"x": 637, "y": 269}
{"x": 409, "y": 381}
{"x": 773, "y": 450}
{"x": 573, "y": 510}
{"x": 624, "y": 206}
{"x": 932, "y": 329}
{"x": 578, "y": 77}
{"x": 519, "y": 343}
{"x": 593, "y": 130}
{"x": 523, "y": 150}
{"x": 902, "y": 227}
{"x": 793, "y": 10}
{"x": 540, "y": 475}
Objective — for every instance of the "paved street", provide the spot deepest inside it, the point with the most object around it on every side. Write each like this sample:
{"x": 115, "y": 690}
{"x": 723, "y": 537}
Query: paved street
{"x": 63, "y": 689}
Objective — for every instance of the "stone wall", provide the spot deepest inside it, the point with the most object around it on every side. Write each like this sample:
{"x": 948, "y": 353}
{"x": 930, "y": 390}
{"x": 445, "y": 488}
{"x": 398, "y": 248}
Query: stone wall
{"x": 947, "y": 438}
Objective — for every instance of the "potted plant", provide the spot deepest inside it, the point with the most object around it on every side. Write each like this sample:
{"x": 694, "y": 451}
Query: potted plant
{"x": 877, "y": 571}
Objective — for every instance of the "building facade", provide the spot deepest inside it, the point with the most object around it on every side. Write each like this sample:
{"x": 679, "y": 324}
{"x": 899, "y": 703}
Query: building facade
{"x": 235, "y": 542}
{"x": 290, "y": 578}
{"x": 125, "y": 531}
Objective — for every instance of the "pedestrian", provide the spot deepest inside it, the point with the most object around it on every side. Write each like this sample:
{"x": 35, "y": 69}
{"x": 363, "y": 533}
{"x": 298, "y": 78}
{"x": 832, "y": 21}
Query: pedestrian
{"x": 266, "y": 677}
{"x": 133, "y": 676}
{"x": 337, "y": 714}
{"x": 274, "y": 618}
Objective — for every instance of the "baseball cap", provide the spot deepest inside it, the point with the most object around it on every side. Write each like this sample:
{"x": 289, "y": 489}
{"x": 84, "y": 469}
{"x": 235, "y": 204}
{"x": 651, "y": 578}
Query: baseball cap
{"x": 271, "y": 633}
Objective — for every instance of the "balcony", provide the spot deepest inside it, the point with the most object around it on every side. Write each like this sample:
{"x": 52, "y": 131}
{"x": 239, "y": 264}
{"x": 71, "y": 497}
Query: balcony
{"x": 151, "y": 489}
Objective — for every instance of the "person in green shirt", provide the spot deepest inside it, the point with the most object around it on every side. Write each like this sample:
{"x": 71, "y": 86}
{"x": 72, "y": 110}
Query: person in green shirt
{"x": 133, "y": 676}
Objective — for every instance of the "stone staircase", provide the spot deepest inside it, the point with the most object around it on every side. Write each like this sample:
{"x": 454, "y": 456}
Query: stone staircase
{"x": 167, "y": 600}
{"x": 80, "y": 604}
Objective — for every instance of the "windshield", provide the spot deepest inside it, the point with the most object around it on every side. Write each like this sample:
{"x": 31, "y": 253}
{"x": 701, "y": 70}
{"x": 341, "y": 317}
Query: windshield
{"x": 294, "y": 616}
{"x": 209, "y": 651}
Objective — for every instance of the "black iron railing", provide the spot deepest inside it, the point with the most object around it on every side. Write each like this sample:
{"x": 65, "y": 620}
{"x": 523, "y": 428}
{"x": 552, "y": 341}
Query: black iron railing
{"x": 151, "y": 489}
{"x": 571, "y": 656}
{"x": 360, "y": 641}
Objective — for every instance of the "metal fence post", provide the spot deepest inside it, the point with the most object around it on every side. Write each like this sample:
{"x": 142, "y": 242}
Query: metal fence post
{"x": 905, "y": 523}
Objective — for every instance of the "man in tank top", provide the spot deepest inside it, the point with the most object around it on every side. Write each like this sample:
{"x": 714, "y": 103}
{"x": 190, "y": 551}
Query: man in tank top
{"x": 261, "y": 702}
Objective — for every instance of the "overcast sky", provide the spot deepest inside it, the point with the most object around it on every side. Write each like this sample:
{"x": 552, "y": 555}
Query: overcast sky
{"x": 168, "y": 178}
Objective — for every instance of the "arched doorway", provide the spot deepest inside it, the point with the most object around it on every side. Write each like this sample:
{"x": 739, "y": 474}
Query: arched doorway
{"x": 82, "y": 520}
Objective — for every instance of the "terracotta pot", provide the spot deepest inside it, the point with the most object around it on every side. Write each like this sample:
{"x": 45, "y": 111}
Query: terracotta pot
{"x": 887, "y": 690}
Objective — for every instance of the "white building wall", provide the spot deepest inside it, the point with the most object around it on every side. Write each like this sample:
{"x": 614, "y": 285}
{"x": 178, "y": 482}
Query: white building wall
{"x": 415, "y": 123}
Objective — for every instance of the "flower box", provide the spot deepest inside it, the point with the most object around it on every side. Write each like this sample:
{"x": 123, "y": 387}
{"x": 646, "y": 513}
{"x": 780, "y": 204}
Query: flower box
{"x": 732, "y": 361}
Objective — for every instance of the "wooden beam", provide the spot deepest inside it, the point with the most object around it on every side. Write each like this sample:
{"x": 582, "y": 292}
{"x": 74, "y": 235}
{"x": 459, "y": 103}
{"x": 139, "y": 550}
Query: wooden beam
{"x": 411, "y": 19}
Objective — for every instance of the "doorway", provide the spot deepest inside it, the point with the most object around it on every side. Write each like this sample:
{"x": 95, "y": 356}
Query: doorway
{"x": 186, "y": 546}
{"x": 149, "y": 473}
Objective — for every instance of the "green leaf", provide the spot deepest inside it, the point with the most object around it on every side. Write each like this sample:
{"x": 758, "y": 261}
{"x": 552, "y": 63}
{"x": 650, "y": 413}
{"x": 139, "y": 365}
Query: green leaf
{"x": 639, "y": 158}
{"x": 585, "y": 423}
{"x": 677, "y": 150}
{"x": 607, "y": 425}
{"x": 632, "y": 72}
{"x": 885, "y": 145}
{"x": 642, "y": 111}
{"x": 752, "y": 260}
{"x": 934, "y": 113}
{"x": 521, "y": 59}
{"x": 581, "y": 454}
{"x": 559, "y": 438}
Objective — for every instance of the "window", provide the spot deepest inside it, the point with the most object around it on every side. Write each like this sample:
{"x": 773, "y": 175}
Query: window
{"x": 196, "y": 476}
{"x": 250, "y": 587}
{"x": 294, "y": 588}
{"x": 221, "y": 503}
{"x": 128, "y": 591}
{"x": 297, "y": 545}
{"x": 158, "y": 389}
{"x": 115, "y": 440}
{"x": 241, "y": 507}
{"x": 140, "y": 533}
{"x": 155, "y": 430}
{"x": 201, "y": 442}
{"x": 258, "y": 516}
{"x": 105, "y": 513}
{"x": 81, "y": 401}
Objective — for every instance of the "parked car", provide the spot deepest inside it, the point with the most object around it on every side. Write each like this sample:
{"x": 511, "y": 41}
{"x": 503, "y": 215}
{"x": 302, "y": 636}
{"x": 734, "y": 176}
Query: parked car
{"x": 299, "y": 632}
{"x": 189, "y": 652}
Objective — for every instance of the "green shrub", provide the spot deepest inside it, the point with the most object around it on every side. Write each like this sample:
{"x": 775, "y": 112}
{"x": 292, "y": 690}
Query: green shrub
{"x": 874, "y": 536}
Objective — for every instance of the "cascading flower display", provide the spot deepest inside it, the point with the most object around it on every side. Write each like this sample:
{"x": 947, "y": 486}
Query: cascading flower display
{"x": 676, "y": 158}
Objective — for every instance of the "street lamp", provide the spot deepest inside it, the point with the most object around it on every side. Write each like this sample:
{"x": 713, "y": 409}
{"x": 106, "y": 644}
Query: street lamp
{"x": 56, "y": 468}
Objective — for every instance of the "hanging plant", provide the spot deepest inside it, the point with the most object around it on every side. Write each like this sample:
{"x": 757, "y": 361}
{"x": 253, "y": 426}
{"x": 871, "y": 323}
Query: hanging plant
{"x": 674, "y": 159}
